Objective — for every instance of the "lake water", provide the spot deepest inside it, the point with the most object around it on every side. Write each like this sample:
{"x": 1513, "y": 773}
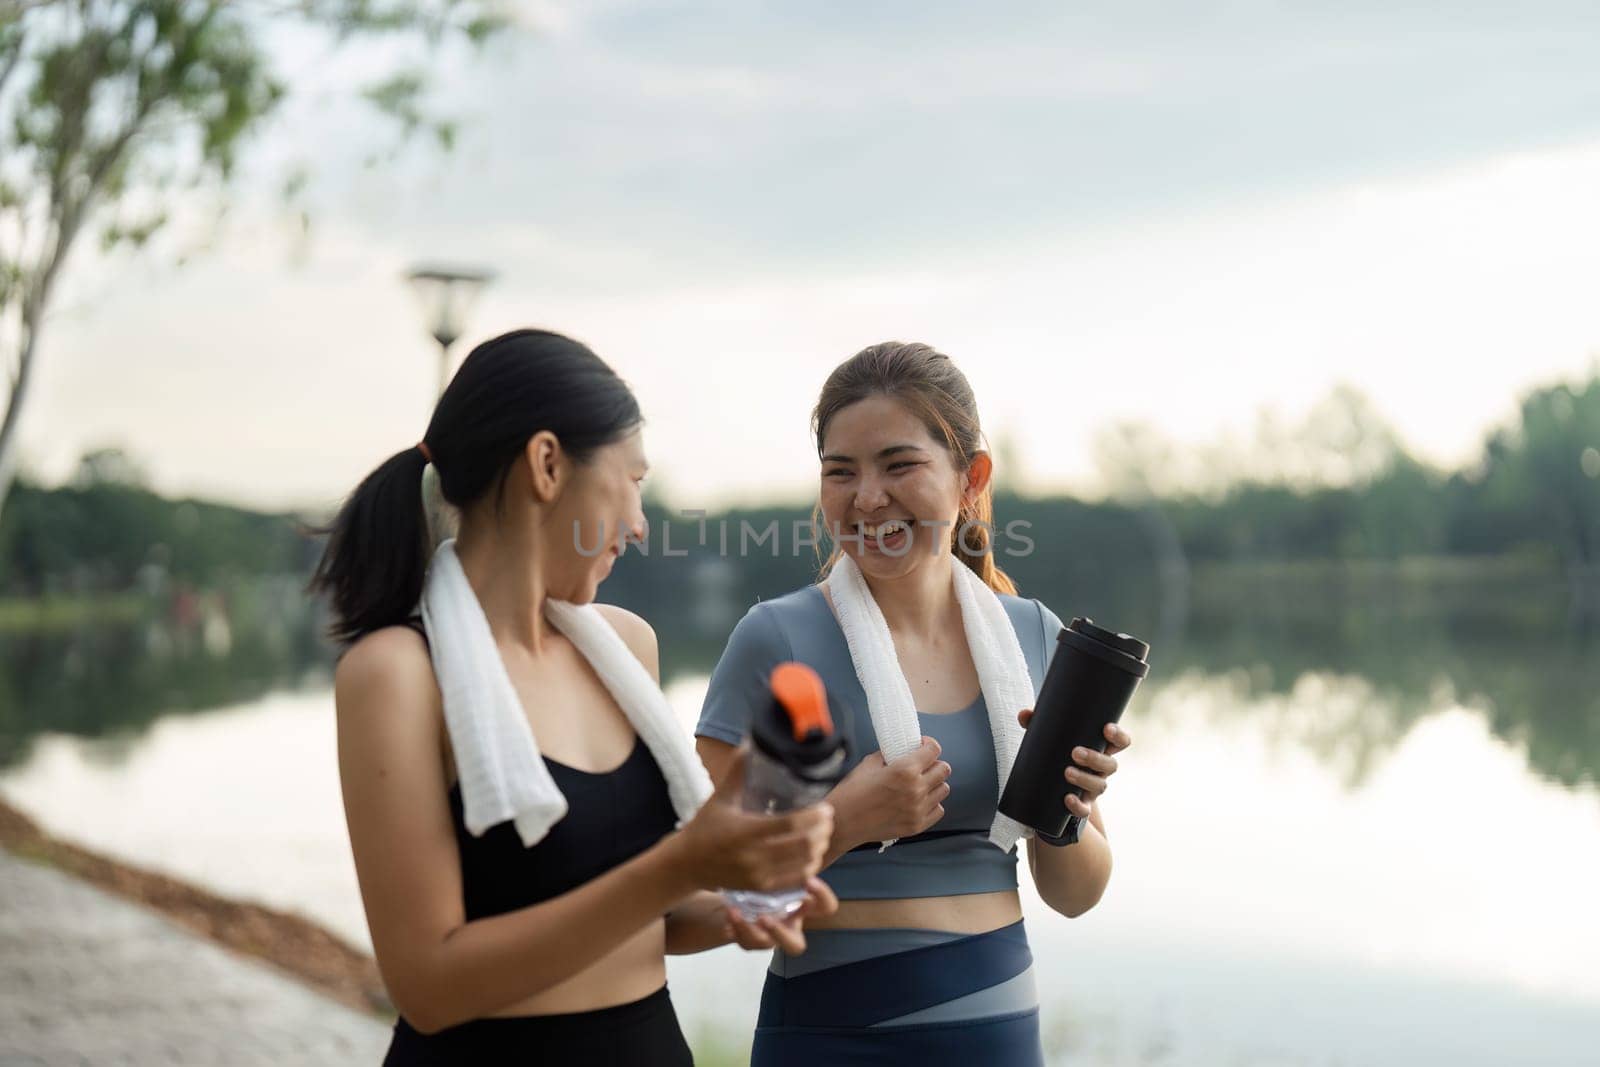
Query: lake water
{"x": 1370, "y": 839}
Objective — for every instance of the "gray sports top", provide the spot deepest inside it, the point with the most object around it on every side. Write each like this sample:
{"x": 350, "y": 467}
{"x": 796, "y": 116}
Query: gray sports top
{"x": 953, "y": 857}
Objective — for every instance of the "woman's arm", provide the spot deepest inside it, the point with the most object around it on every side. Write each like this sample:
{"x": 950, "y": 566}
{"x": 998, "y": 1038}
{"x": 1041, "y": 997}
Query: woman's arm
{"x": 1072, "y": 878}
{"x": 441, "y": 969}
{"x": 716, "y": 755}
{"x": 699, "y": 922}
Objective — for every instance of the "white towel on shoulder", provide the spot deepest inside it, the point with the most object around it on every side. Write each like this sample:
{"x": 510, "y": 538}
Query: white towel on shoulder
{"x": 1002, "y": 672}
{"x": 502, "y": 775}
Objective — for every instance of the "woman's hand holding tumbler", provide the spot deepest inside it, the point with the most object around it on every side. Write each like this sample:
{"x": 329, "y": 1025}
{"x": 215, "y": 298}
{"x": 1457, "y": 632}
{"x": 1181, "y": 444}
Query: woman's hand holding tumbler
{"x": 1089, "y": 770}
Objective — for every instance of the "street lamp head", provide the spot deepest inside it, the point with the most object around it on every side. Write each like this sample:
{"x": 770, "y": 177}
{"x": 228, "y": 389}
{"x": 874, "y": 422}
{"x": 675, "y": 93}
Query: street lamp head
{"x": 447, "y": 293}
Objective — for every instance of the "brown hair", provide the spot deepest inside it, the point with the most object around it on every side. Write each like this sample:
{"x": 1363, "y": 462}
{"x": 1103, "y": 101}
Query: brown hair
{"x": 933, "y": 388}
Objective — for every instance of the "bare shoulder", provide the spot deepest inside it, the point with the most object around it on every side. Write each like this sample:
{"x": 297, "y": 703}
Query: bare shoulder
{"x": 635, "y": 633}
{"x": 388, "y": 668}
{"x": 632, "y": 627}
{"x": 390, "y": 713}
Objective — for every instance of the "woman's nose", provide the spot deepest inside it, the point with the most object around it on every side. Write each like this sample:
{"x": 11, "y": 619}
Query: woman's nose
{"x": 871, "y": 495}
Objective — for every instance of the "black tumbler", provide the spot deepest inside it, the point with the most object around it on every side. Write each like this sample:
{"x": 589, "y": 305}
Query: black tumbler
{"x": 1089, "y": 683}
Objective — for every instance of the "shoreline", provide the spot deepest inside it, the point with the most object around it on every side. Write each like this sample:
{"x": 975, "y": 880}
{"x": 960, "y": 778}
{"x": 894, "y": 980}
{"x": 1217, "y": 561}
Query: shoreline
{"x": 288, "y": 942}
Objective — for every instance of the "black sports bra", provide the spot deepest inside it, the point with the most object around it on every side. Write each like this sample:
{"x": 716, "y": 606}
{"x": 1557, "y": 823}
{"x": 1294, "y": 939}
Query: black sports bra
{"x": 611, "y": 818}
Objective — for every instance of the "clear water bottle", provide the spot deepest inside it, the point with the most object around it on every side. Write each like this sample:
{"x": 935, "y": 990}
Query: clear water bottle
{"x": 796, "y": 758}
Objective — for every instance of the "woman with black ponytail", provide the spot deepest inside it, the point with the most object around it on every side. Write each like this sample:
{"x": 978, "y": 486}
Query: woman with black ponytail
{"x": 540, "y": 937}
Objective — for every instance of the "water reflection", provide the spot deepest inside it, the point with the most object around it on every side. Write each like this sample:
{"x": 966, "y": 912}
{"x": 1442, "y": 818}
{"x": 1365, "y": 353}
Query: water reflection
{"x": 194, "y": 653}
{"x": 1371, "y": 673}
{"x": 1344, "y": 674}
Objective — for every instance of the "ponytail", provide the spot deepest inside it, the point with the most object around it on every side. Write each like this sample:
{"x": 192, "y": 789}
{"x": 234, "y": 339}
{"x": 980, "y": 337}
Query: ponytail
{"x": 972, "y": 541}
{"x": 372, "y": 567}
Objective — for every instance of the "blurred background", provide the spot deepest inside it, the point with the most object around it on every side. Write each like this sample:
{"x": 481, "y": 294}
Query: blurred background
{"x": 1281, "y": 320}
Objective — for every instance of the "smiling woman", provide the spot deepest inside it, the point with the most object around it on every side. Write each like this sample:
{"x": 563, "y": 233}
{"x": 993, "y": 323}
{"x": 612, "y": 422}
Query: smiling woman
{"x": 930, "y": 658}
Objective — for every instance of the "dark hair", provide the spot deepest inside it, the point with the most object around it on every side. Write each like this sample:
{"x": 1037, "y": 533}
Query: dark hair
{"x": 932, "y": 386}
{"x": 506, "y": 390}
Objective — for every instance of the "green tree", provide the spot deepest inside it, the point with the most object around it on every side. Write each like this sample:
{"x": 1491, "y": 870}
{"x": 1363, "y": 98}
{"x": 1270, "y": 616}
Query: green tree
{"x": 1546, "y": 470}
{"x": 109, "y": 109}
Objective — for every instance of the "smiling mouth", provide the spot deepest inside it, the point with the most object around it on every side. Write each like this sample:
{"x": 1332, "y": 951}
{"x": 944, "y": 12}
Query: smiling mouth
{"x": 891, "y": 534}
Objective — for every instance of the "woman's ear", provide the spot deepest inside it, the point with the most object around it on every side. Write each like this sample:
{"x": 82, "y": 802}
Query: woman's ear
{"x": 547, "y": 466}
{"x": 976, "y": 480}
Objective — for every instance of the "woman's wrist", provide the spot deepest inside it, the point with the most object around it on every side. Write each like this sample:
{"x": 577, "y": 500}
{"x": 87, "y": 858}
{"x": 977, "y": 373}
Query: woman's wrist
{"x": 676, "y": 865}
{"x": 1069, "y": 836}
{"x": 698, "y": 924}
{"x": 844, "y": 836}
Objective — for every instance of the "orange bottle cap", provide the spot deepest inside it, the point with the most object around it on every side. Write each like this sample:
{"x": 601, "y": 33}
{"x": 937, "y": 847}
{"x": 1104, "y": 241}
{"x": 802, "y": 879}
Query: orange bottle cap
{"x": 801, "y": 692}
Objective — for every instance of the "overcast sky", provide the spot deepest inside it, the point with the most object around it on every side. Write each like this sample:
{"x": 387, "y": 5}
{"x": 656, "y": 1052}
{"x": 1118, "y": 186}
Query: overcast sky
{"x": 1181, "y": 213}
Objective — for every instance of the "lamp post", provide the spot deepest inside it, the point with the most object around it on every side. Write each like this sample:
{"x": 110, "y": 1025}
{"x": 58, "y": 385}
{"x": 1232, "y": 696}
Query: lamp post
{"x": 446, "y": 294}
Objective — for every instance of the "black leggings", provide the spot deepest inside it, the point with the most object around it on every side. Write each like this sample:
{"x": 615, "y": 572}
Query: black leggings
{"x": 644, "y": 1032}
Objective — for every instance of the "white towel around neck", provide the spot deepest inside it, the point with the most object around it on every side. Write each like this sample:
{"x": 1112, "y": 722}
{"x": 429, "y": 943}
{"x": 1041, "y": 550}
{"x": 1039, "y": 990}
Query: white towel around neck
{"x": 1002, "y": 672}
{"x": 502, "y": 774}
